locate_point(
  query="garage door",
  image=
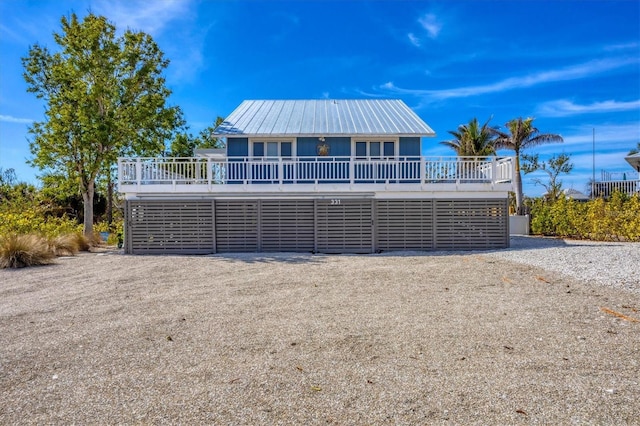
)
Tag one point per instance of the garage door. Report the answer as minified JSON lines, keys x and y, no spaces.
{"x":471,"y":224}
{"x":286,"y":225}
{"x":404,"y":225}
{"x":344,"y":226}
{"x":163,"y":227}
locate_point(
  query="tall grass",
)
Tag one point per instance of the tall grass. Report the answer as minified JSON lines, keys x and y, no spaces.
{"x":18,"y":251}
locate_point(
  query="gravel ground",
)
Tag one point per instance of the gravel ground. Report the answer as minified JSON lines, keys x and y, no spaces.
{"x":501,"y":337}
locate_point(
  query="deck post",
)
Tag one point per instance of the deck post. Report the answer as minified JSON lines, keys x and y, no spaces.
{"x":352,"y":170}
{"x":494,"y":170}
{"x":423,"y":170}
{"x":138,"y":172}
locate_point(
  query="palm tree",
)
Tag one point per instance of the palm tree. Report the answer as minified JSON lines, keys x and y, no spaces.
{"x":521,"y":135}
{"x":472,"y":140}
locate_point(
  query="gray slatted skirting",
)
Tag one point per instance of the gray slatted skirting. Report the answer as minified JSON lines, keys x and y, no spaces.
{"x":236,"y":226}
{"x":404,"y":225}
{"x":286,"y":225}
{"x":306,"y":225}
{"x":471,"y":224}
{"x":164,"y":227}
{"x":344,"y":226}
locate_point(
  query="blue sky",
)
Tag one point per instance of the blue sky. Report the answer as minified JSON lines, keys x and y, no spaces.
{"x":573,"y":65}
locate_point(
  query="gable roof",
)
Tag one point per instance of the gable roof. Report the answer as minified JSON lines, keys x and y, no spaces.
{"x":324,"y":117}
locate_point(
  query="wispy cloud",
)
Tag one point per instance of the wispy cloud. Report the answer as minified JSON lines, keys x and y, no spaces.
{"x":574,"y":72}
{"x":414,"y":40}
{"x":431,"y":25}
{"x":143,"y":15}
{"x":10,"y":119}
{"x":563,"y":107}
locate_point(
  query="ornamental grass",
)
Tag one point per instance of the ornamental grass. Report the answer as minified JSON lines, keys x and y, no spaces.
{"x":18,"y":251}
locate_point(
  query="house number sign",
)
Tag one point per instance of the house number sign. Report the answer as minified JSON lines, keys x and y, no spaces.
{"x":335,"y":201}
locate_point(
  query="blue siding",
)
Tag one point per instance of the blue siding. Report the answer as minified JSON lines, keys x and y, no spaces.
{"x":338,"y":146}
{"x":410,"y":147}
{"x":237,"y":147}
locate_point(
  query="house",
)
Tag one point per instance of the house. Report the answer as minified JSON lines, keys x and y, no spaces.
{"x":627,"y":182}
{"x":329,"y":176}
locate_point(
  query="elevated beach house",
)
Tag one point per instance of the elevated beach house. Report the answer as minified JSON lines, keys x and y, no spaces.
{"x":328,"y":176}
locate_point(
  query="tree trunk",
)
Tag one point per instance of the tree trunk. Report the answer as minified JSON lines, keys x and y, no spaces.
{"x":109,"y":198}
{"x":87,"y":198}
{"x":517,"y":179}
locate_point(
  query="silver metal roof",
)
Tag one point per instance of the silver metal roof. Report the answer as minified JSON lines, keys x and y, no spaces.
{"x":324,"y":117}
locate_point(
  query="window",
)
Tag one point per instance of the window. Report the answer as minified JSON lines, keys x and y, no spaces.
{"x":375,"y":149}
{"x":271,"y":149}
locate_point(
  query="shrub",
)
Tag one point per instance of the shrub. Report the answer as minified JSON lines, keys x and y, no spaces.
{"x":82,"y":242}
{"x":64,"y":245}
{"x":615,"y":219}
{"x":17,"y":251}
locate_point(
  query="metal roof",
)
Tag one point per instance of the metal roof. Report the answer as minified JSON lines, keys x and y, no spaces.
{"x":324,"y":117}
{"x":634,"y":160}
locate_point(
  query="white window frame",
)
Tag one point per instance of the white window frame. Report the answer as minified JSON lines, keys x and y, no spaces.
{"x":396,"y":146}
{"x":279,"y":141}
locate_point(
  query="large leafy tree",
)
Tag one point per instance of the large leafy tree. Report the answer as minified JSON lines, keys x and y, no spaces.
{"x":522,"y":134}
{"x":105,"y":97}
{"x":472,"y":139}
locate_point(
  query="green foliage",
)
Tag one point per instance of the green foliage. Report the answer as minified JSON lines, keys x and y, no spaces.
{"x":184,"y":144}
{"x":472,"y":140}
{"x":105,"y":97}
{"x":521,"y":134}
{"x":616,"y":219}
{"x":25,"y":210}
{"x":553,"y":167}
{"x":18,"y":251}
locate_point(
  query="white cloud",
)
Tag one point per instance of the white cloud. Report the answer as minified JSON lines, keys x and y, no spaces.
{"x":431,"y":25}
{"x":563,"y":107}
{"x":143,"y":15}
{"x":414,"y":40}
{"x":10,"y":119}
{"x":574,"y":72}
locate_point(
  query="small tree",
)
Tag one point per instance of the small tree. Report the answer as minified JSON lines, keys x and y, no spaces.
{"x":105,"y":97}
{"x":553,"y":167}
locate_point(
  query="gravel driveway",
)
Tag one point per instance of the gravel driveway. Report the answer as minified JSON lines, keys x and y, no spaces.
{"x":411,"y":338}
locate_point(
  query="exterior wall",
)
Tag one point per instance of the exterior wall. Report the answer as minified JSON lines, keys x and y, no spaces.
{"x":339,"y":146}
{"x":351,"y":224}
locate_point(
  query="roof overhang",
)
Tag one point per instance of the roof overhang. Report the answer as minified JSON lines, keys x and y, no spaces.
{"x":634,"y":161}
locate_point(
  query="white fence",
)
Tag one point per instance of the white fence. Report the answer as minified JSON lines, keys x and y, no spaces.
{"x":316,"y":170}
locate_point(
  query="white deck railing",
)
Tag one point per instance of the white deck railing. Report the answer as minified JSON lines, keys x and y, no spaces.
{"x":315,"y":170}
{"x":607,"y":188}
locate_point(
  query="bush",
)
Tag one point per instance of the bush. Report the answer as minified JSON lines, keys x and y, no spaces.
{"x":606,"y":220}
{"x":65,"y":245}
{"x":17,"y":251}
